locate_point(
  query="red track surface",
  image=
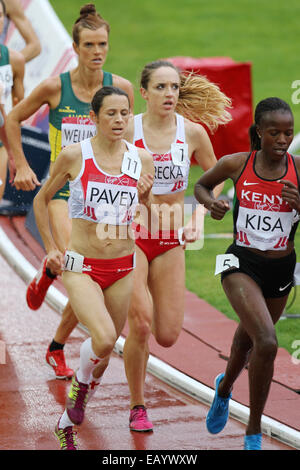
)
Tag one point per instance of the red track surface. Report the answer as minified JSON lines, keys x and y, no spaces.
{"x":31,"y":400}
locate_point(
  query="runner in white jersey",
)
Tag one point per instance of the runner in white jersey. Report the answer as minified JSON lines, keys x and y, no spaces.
{"x":157,"y":303}
{"x":68,"y":96}
{"x":97,"y":266}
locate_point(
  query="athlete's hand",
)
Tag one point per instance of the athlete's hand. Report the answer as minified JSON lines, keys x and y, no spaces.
{"x":26,"y":179}
{"x":290,"y":194}
{"x":144,"y":186}
{"x":55,"y":262}
{"x":218,"y":209}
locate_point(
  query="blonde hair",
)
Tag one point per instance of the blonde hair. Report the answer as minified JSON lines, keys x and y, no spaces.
{"x":199,"y":99}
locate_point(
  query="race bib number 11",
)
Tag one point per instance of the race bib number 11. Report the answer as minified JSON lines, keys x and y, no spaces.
{"x":73,"y":262}
{"x":131,"y":165}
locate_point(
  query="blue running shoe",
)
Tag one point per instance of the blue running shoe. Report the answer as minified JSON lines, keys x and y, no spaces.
{"x":218,"y":414}
{"x":252,"y":442}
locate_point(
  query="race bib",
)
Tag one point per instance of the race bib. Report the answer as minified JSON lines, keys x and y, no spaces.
{"x":131,"y":165}
{"x":75,"y":129}
{"x":179,"y":154}
{"x":227,"y":261}
{"x":73,"y":261}
{"x":6,"y":77}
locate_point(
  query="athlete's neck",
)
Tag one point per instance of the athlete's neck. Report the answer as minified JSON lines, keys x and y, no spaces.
{"x":159,"y":122}
{"x":86,"y":79}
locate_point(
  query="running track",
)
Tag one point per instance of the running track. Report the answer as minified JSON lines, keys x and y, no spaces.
{"x":32,"y":400}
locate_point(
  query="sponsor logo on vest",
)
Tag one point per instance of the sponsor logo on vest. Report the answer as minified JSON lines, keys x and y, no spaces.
{"x":67,"y":109}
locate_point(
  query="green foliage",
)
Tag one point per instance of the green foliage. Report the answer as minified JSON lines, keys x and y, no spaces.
{"x":262,"y":32}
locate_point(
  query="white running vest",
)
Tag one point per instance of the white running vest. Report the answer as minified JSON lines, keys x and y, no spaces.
{"x":102,"y":198}
{"x":171,"y":168}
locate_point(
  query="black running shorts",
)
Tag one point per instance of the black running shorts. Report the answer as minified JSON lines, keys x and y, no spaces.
{"x":275,"y":276}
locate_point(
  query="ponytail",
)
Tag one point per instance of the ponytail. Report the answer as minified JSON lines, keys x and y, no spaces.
{"x":255,"y":143}
{"x":202,"y":101}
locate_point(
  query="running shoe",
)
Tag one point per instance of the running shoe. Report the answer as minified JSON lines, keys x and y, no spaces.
{"x":66,"y":438}
{"x":252,"y":442}
{"x":56,"y":360}
{"x":138,"y":420}
{"x":37,"y":289}
{"x":77,"y":400}
{"x":218,"y":414}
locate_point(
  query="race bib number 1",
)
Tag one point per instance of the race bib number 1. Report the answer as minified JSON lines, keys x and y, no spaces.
{"x":131,"y":165}
{"x":179,"y":154}
{"x":227,"y":261}
{"x":73,"y":262}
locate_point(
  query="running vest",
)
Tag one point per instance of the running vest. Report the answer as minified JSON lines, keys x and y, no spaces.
{"x":6,"y":77}
{"x":102,"y":198}
{"x":172,"y":168}
{"x":261,"y":218}
{"x":70,"y":122}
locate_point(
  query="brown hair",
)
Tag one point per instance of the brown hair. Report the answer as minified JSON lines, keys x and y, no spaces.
{"x":90,"y":19}
{"x":199,"y":99}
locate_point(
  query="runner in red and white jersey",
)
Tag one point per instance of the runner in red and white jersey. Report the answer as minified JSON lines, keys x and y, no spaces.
{"x":168,"y":133}
{"x":97,"y":267}
{"x":68,"y":96}
{"x":257,"y":271}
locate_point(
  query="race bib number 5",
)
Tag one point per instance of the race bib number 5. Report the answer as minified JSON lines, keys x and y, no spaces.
{"x":224,"y":262}
{"x":73,"y":262}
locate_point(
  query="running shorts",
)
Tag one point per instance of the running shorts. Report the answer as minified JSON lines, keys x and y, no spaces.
{"x":104,"y":272}
{"x":275,"y":276}
{"x":155,"y":244}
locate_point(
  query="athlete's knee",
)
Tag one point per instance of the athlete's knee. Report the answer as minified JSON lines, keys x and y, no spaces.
{"x":140,"y":324}
{"x":104,"y":342}
{"x":266,"y":345}
{"x":167,"y":337}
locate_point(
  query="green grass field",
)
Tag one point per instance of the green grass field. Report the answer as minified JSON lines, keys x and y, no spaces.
{"x":262,"y":32}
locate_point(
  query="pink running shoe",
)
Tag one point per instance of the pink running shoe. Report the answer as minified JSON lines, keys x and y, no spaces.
{"x":77,"y":400}
{"x":66,"y":438}
{"x":37,"y":289}
{"x":138,"y":420}
{"x":56,"y":360}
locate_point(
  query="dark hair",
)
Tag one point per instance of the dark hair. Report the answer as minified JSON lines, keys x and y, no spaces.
{"x":4,"y":6}
{"x":90,"y":19}
{"x":265,"y":106}
{"x":99,"y":96}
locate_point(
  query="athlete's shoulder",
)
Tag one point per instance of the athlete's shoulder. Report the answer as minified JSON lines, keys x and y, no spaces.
{"x":233,"y":162}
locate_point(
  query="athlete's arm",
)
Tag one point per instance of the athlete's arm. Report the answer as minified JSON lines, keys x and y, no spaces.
{"x":227,"y":167}
{"x":18,"y":67}
{"x":15,"y":12}
{"x":205,"y":157}
{"x":290,"y":192}
{"x":48,"y":92}
{"x":203,"y":151}
{"x":61,"y":172}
